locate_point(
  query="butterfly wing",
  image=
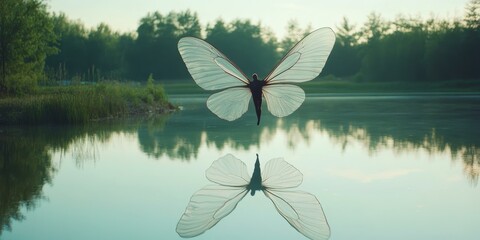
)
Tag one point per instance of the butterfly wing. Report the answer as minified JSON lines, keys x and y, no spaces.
{"x":283,"y":99}
{"x":302,"y":210}
{"x":230,"y":104}
{"x":279,"y":174}
{"x":305,"y":60}
{"x":212,"y":203}
{"x":207,"y":207}
{"x":210,"y":68}
{"x":228,"y":171}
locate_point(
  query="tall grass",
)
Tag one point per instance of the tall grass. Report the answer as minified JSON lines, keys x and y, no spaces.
{"x":80,"y":104}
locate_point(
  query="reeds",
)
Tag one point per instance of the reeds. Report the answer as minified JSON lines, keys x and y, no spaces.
{"x":83,"y":103}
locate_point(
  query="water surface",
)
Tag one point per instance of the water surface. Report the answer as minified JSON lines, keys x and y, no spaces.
{"x":383,"y":167}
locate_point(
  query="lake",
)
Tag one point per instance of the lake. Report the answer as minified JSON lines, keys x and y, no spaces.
{"x":382,"y":167}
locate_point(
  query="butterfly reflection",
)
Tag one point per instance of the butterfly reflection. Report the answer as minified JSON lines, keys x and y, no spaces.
{"x":214,"y":202}
{"x":212,"y":70}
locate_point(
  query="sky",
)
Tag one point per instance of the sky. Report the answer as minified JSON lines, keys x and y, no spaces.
{"x":124,"y":15}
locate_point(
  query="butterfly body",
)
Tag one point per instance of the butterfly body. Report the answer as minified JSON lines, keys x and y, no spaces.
{"x":256,"y":87}
{"x":256,"y":180}
{"x":212,"y":70}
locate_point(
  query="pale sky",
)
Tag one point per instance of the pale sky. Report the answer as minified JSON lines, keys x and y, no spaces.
{"x":124,"y":15}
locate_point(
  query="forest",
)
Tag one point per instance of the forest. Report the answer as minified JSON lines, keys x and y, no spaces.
{"x":38,"y":47}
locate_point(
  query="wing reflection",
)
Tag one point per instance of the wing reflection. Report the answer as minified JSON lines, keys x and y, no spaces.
{"x":214,"y":202}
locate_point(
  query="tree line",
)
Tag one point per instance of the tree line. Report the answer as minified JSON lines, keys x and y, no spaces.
{"x":38,"y":46}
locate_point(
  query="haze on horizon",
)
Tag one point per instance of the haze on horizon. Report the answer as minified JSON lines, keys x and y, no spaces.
{"x":124,"y":15}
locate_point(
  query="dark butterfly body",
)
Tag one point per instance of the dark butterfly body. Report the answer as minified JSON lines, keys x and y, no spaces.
{"x":256,"y":180}
{"x":256,"y":89}
{"x":212,"y":70}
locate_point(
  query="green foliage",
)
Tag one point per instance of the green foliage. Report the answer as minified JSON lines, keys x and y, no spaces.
{"x":21,"y":83}
{"x":398,"y":56}
{"x":294,"y":34}
{"x":472,"y":15}
{"x":26,"y":37}
{"x":83,"y":103}
{"x":154,"y":92}
{"x":155,"y":48}
{"x":93,"y":55}
{"x":248,"y":45}
{"x":344,"y":60}
{"x":408,"y":50}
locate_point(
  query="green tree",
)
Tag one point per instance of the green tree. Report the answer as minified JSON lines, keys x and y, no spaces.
{"x":249,"y":45}
{"x":71,"y":59}
{"x":373,"y":64}
{"x":470,"y":45}
{"x":346,"y":33}
{"x":375,"y":28}
{"x":104,"y":57}
{"x":294,"y":35}
{"x":155,"y":49}
{"x":344,"y":61}
{"x":89,"y":55}
{"x":26,"y":37}
{"x":472,"y":15}
{"x":452,"y":52}
{"x":402,"y":54}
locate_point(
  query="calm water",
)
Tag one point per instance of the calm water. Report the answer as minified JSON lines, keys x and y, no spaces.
{"x":395,"y":167}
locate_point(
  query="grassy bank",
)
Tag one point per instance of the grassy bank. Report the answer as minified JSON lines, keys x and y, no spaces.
{"x":83,"y":103}
{"x":336,"y":85}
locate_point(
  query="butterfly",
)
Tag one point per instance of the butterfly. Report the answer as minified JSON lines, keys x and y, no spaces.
{"x":212,"y":70}
{"x":214,"y":202}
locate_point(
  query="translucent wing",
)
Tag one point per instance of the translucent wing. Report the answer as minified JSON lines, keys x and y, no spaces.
{"x":279,"y":174}
{"x":231,"y":103}
{"x":302,"y":210}
{"x":283,"y":99}
{"x":306,"y":59}
{"x":207,"y":207}
{"x":210,"y":69}
{"x":228,"y":171}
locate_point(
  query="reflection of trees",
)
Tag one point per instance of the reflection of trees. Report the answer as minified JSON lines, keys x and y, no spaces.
{"x":186,"y":131}
{"x":440,"y":124}
{"x":183,"y":134}
{"x":436,"y":124}
{"x":175,"y":139}
{"x":26,"y":164}
{"x":24,"y":168}
{"x":471,"y":158}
